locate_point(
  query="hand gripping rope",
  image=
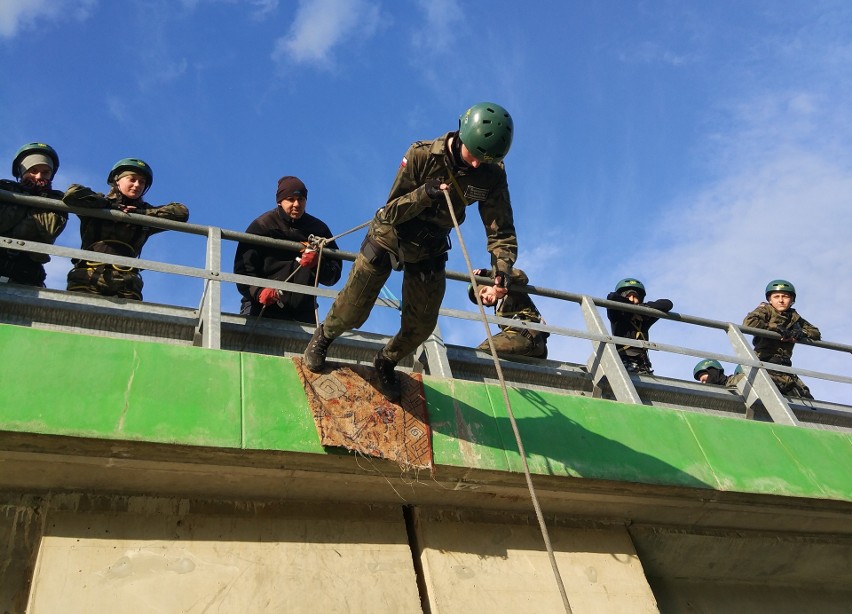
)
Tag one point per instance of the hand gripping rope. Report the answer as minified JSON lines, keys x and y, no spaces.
{"x":509,"y":411}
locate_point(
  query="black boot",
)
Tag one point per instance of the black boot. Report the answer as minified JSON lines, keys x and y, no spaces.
{"x":388,"y":382}
{"x":315,"y":352}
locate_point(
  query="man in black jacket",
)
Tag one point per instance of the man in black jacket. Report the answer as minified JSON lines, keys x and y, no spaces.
{"x":289,"y":222}
{"x":633,"y":325}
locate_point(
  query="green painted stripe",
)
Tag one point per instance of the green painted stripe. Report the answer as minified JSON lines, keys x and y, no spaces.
{"x":81,"y":385}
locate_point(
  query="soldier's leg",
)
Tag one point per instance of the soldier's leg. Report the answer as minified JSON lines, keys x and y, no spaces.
{"x":350,"y":309}
{"x":352,"y":306}
{"x":422,"y":293}
{"x":509,"y":343}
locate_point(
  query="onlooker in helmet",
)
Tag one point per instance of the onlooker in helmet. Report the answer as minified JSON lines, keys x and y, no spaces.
{"x":633,"y":325}
{"x":411,"y":232}
{"x":711,"y":372}
{"x":777,"y":314}
{"x":34,"y":167}
{"x":288,"y":221}
{"x":129,"y":180}
{"x":512,"y":341}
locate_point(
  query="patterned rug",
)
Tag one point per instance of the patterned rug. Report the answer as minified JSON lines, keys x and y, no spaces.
{"x":349,"y":411}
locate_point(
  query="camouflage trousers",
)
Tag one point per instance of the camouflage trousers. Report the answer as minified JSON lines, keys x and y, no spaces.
{"x":422,"y":293}
{"x":790,"y":385}
{"x":512,"y":342}
{"x":106,"y":280}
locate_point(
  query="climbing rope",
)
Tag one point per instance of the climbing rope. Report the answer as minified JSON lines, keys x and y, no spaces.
{"x":544,"y":533}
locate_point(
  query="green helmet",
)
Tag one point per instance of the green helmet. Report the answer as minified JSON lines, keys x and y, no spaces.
{"x":704,"y":365}
{"x":780,"y":285}
{"x":486,"y":130}
{"x":34,"y":148}
{"x":631,"y":283}
{"x":738,"y":370}
{"x":135,"y":165}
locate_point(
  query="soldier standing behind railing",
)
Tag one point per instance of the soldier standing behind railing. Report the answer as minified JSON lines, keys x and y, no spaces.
{"x":130,"y":179}
{"x":34,"y":167}
{"x":777,"y":314}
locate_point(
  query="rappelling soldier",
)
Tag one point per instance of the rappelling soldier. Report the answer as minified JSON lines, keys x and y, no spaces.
{"x":512,"y":341}
{"x":34,"y":167}
{"x":411,"y":233}
{"x":634,"y":325}
{"x":777,"y":314}
{"x":130,"y":179}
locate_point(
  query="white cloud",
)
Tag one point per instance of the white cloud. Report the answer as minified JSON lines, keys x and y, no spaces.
{"x":18,"y":15}
{"x":322,"y":25}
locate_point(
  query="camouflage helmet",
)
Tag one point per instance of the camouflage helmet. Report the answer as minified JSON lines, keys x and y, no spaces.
{"x":135,"y":165}
{"x":703,"y":365}
{"x":631,"y":283}
{"x":34,"y":148}
{"x":780,"y":285}
{"x":486,"y":130}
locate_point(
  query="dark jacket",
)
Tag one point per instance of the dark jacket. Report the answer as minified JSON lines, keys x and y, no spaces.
{"x":633,"y":325}
{"x":279,"y":264}
{"x":29,"y":224}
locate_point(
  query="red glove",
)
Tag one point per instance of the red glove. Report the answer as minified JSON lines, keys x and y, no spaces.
{"x":268,"y":296}
{"x":308,"y":259}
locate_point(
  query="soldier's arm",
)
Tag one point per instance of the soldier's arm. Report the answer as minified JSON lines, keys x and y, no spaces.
{"x":172,"y":211}
{"x":80,"y":196}
{"x":662,"y":304}
{"x":43,"y":226}
{"x":499,"y":223}
{"x":809,"y":329}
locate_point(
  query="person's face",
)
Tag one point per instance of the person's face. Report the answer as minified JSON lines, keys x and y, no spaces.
{"x":38,"y":175}
{"x":781,"y":301}
{"x":294,"y":206}
{"x":488,"y":295}
{"x":702,"y":377}
{"x":469,"y":159}
{"x":132,"y":185}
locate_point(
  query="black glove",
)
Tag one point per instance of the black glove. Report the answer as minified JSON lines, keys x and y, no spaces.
{"x":433,"y":189}
{"x":501,"y":280}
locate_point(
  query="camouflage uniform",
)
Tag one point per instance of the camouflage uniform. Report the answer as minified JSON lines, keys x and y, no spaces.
{"x":718,"y":377}
{"x":412,"y":232}
{"x":29,"y":224}
{"x":780,"y":352}
{"x":116,"y":238}
{"x":516,"y":341}
{"x":634,"y":326}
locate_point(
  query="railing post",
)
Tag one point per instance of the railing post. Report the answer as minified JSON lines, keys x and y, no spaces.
{"x":208,"y":330}
{"x":436,"y":354}
{"x":757,"y":385}
{"x":605,"y":361}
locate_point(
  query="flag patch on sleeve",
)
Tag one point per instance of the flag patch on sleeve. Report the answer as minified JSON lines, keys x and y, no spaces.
{"x":404,"y":162}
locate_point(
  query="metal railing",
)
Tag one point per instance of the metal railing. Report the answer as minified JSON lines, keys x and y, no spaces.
{"x":604,"y":367}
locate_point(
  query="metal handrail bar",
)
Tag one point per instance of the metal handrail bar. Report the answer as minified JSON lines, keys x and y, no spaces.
{"x":220,"y":276}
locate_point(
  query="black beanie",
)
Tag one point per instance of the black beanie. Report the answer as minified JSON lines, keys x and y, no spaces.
{"x":288,"y":187}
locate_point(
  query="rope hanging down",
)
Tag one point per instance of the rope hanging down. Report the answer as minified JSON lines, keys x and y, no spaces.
{"x":545,"y":535}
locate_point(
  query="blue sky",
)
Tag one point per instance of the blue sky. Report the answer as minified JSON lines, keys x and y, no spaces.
{"x":703,"y":147}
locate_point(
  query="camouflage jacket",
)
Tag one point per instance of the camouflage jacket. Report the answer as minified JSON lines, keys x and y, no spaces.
{"x":517,"y":305}
{"x":767,"y":317}
{"x":415,"y":228}
{"x":110,"y":237}
{"x":30,"y":223}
